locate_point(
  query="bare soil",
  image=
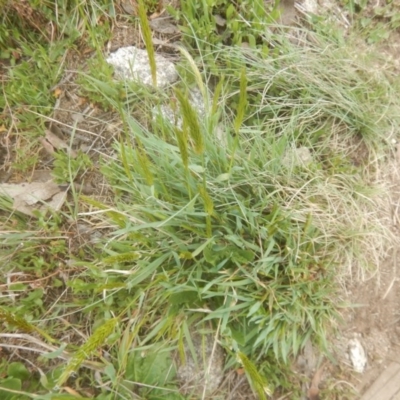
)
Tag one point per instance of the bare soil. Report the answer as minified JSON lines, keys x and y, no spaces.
{"x":374,"y":315}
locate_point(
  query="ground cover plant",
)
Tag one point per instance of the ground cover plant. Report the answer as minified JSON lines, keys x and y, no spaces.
{"x":234,"y":222}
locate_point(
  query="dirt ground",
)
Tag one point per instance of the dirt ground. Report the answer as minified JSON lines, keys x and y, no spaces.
{"x":371,"y":315}
{"x":374,"y":318}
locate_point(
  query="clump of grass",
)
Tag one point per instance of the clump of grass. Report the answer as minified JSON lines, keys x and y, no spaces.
{"x":263,"y":258}
{"x":250,"y":237}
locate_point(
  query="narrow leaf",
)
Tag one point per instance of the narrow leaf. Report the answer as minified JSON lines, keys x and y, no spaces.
{"x":144,"y":163}
{"x":124,"y":257}
{"x":208,"y":203}
{"x":144,"y":23}
{"x":181,"y":138}
{"x":191,"y":120}
{"x":242,"y":101}
{"x":256,"y":380}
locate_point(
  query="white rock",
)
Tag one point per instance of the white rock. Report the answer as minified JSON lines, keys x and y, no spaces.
{"x":195,"y":99}
{"x":296,"y":157}
{"x":357,"y":355}
{"x":197,"y":102}
{"x":310,"y":6}
{"x":201,"y":375}
{"x":133,"y":64}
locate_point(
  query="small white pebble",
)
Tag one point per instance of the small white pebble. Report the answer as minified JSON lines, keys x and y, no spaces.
{"x":357,"y":355}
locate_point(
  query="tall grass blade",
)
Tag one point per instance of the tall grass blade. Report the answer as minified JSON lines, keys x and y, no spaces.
{"x":144,"y":23}
{"x":117,"y":217}
{"x":190,"y":118}
{"x":144,"y":164}
{"x":209,"y":208}
{"x":208,"y":203}
{"x":181,"y":138}
{"x":217,"y":93}
{"x":197,"y":74}
{"x":242,"y":102}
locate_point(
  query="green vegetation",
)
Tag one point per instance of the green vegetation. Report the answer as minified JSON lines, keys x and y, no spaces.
{"x":215,"y":220}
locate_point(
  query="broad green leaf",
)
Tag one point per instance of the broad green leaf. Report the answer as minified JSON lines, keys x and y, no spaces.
{"x":242,"y":256}
{"x":13,"y":384}
{"x":18,"y":370}
{"x":254,"y":308}
{"x":151,"y":368}
{"x":109,"y":370}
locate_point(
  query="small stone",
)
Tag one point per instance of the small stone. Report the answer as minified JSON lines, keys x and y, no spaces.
{"x":131,"y":63}
{"x":357,"y":355}
{"x":219,"y":20}
{"x":77,"y":117}
{"x":203,"y":375}
{"x":164,"y":26}
{"x":310,"y":6}
{"x":297,"y":157}
{"x":196,"y":101}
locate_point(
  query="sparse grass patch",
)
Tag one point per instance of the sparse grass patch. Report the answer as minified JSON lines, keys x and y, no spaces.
{"x":375,"y":23}
{"x":35,"y":38}
{"x":210,"y":23}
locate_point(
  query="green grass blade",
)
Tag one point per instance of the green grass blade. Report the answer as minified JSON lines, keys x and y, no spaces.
{"x":144,"y":23}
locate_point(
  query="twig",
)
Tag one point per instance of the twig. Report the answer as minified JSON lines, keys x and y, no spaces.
{"x":313,"y":391}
